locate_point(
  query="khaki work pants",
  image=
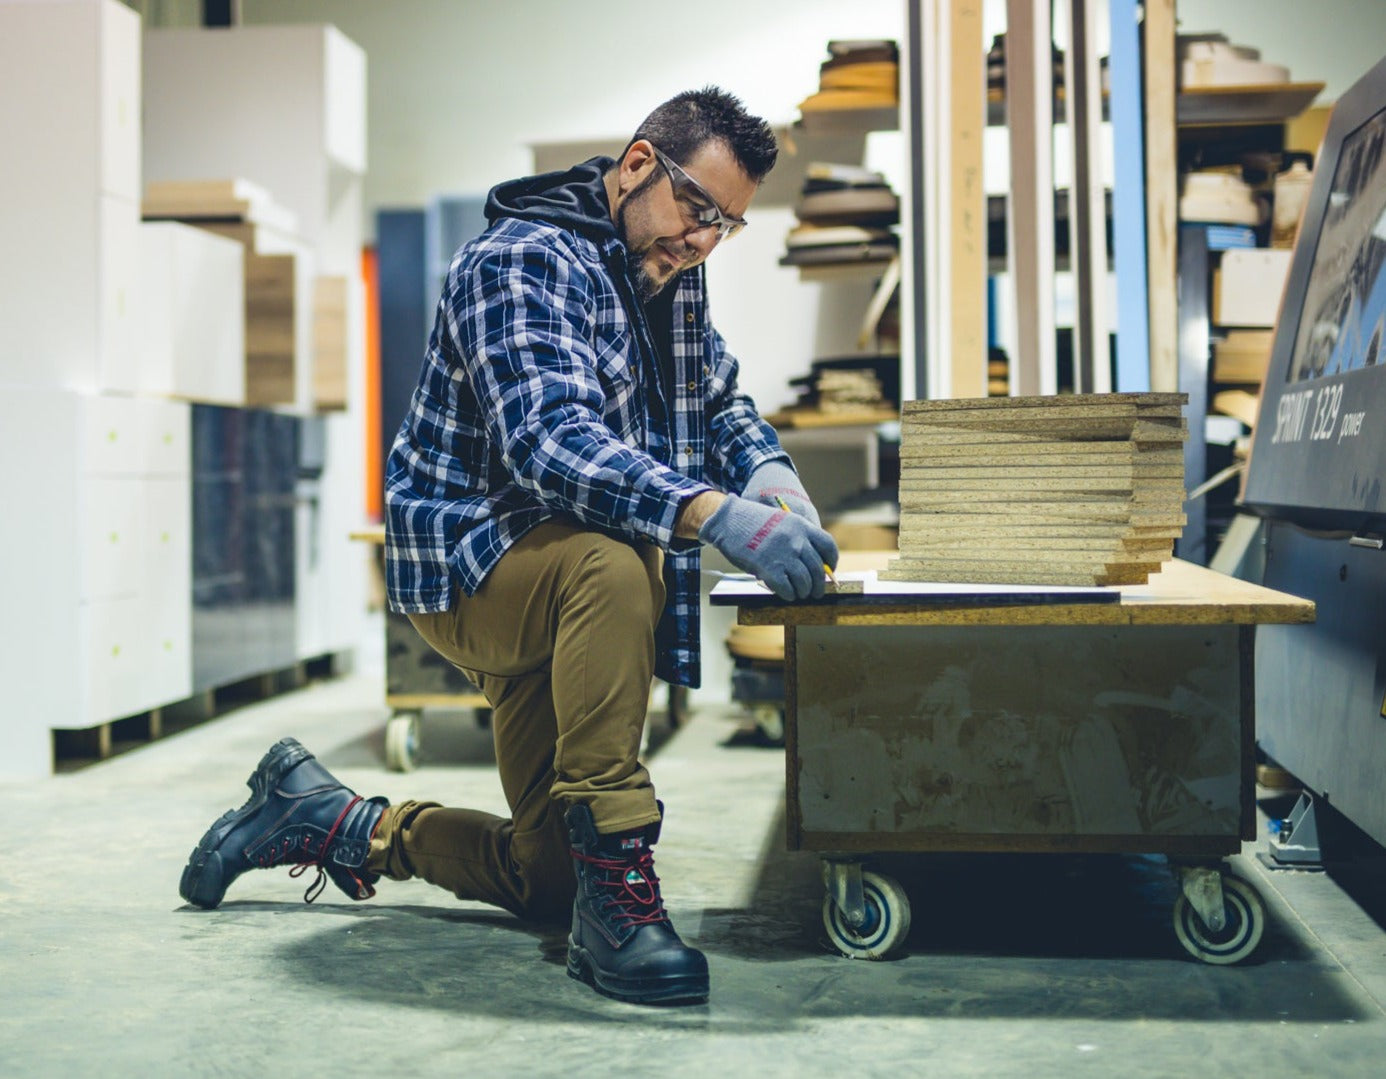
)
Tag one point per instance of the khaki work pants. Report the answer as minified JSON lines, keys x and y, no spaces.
{"x":560,"y":639}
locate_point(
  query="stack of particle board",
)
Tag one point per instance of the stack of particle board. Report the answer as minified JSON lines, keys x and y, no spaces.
{"x":1074,"y":490}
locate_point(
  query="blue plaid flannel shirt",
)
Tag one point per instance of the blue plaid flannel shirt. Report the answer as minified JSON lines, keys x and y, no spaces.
{"x":539,"y":398}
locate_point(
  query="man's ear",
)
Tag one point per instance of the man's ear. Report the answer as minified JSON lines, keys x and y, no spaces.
{"x":635,"y":165}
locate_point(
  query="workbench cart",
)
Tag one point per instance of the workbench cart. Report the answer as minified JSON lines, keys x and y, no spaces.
{"x":1050,"y":721}
{"x":416,"y":678}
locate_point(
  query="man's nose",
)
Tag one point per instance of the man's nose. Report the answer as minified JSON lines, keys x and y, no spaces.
{"x":702,"y":239}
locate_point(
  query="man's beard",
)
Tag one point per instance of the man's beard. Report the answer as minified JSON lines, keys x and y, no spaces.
{"x":646,"y":286}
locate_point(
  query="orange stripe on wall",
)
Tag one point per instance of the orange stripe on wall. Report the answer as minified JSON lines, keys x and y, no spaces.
{"x":375,"y":467}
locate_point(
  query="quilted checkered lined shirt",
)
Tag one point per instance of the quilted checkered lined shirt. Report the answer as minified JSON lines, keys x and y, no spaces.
{"x":539,"y":398}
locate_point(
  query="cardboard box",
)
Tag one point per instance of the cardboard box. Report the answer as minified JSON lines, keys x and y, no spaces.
{"x":1247,"y":286}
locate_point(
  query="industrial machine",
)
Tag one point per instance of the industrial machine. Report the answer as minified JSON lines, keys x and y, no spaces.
{"x":1315,"y":479}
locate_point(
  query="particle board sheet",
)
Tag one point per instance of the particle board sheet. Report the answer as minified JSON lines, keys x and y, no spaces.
{"x":331,"y":334}
{"x":1084,"y":489}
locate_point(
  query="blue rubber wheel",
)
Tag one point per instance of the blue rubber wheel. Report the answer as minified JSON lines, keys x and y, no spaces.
{"x":885,"y":927}
{"x":1237,"y":939}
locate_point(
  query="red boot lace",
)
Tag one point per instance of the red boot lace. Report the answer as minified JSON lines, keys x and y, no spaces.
{"x":282,"y":853}
{"x":635,"y":888}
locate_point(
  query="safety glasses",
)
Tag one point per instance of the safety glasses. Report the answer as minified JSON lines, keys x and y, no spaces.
{"x":702,"y":206}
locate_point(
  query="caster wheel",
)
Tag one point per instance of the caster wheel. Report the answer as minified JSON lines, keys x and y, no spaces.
{"x":1246,"y":920}
{"x":770,"y":723}
{"x":887,"y":919}
{"x":401,"y":742}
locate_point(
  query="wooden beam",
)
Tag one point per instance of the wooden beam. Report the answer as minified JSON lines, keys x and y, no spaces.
{"x":967,"y":253}
{"x":1029,"y":116}
{"x":1087,"y":199}
{"x":1162,"y":194}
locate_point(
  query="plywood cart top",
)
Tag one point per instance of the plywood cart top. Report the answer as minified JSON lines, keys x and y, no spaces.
{"x":1180,"y":594}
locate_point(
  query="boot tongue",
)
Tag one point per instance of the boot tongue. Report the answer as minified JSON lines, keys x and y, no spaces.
{"x":627,"y":845}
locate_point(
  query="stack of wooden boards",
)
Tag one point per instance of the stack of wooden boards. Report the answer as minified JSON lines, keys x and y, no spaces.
{"x":1084,"y":489}
{"x":858,"y":88}
{"x":846,"y":214}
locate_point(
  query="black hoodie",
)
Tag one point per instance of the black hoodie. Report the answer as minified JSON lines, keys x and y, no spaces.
{"x":573,"y":199}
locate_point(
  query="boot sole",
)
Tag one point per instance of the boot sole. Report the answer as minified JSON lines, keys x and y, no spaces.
{"x":678,"y":989}
{"x":204,"y":881}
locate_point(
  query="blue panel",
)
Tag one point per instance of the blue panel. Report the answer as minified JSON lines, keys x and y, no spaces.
{"x":452,"y":221}
{"x":405,"y":314}
{"x":1128,"y":201}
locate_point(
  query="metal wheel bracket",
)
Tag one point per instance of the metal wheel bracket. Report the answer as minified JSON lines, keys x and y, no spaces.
{"x":842,"y":878}
{"x":1202,"y":887}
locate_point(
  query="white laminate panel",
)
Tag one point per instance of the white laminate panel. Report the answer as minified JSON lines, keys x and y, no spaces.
{"x":344,"y":101}
{"x":208,"y":361}
{"x":165,"y":535}
{"x":117,"y":365}
{"x":38,"y":575}
{"x":155,"y":296}
{"x":109,"y":435}
{"x":114,"y":647}
{"x":119,"y":99}
{"x":110,"y":532}
{"x":167,"y":646}
{"x":163,"y":434}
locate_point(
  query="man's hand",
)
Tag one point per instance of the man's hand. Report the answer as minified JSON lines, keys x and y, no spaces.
{"x":783,"y":549}
{"x":773,"y":483}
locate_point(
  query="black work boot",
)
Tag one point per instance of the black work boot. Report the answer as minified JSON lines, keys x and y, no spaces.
{"x":623,"y":944}
{"x":298,"y":815}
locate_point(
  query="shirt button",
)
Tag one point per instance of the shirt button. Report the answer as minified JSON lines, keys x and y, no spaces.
{"x":692,"y":387}
{"x":688,"y":451}
{"x":688,"y":317}
{"x":707,"y":370}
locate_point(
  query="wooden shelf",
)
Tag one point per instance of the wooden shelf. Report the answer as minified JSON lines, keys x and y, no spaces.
{"x":1224,"y":106}
{"x":849,"y":121}
{"x":801,"y":419}
{"x":839,"y":271}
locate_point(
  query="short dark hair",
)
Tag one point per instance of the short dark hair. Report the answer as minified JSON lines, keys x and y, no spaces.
{"x":681,"y":126}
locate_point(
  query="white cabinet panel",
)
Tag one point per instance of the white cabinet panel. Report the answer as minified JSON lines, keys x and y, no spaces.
{"x":165,"y":535}
{"x":134,"y":436}
{"x":119,"y":97}
{"x":109,"y":435}
{"x":70,"y":129}
{"x":119,"y":268}
{"x":283,"y":106}
{"x":157,"y":306}
{"x":113,"y":645}
{"x":109,"y":536}
{"x":192,"y":314}
{"x":344,"y":101}
{"x":164,"y":432}
{"x":38,"y":575}
{"x":209,"y":319}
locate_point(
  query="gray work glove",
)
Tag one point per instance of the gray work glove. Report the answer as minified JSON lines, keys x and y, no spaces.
{"x":782,"y":549}
{"x":776,"y":480}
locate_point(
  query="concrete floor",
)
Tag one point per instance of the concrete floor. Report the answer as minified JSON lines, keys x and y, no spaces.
{"x":1028,"y":966}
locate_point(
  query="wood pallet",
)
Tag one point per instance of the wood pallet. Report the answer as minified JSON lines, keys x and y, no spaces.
{"x":81,"y":746}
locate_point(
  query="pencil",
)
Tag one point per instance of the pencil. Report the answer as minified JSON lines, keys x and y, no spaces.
{"x":785,"y":506}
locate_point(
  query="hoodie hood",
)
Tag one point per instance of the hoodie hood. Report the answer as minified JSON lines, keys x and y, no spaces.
{"x":573,"y":199}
